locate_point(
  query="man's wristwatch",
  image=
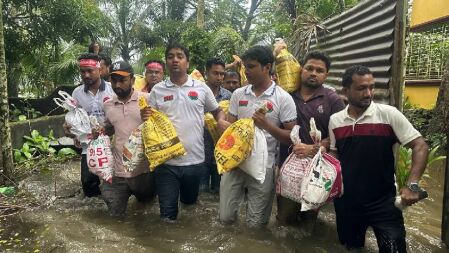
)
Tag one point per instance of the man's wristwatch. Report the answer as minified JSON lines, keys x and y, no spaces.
{"x":414,"y":187}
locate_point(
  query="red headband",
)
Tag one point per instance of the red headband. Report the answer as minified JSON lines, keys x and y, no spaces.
{"x":89,"y":63}
{"x":155,"y":65}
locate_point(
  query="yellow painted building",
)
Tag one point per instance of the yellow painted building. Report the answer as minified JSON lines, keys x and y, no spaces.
{"x":426,"y":14}
{"x":422,"y":93}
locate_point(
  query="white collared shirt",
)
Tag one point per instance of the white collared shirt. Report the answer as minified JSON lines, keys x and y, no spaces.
{"x":244,"y":103}
{"x":374,"y":115}
{"x":93,"y":103}
{"x":185,"y":106}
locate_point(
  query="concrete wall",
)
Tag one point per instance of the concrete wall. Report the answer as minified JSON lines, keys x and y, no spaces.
{"x":42,"y":124}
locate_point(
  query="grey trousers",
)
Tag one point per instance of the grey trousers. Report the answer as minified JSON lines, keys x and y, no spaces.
{"x":234,"y":185}
{"x":117,"y":193}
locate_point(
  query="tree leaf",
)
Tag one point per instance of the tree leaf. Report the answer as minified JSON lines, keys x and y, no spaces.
{"x":66,"y":152}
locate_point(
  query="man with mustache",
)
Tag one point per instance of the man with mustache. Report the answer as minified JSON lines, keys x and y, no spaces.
{"x":362,"y":137}
{"x":122,"y":117}
{"x":90,"y":96}
{"x":312,"y":100}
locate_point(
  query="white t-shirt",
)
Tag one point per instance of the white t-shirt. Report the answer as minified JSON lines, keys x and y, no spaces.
{"x":282,"y":109}
{"x":185,"y":107}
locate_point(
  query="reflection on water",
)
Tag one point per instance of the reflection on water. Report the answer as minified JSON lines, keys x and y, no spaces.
{"x":75,"y":225}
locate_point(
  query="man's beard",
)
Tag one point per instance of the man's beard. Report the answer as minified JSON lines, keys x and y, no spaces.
{"x":89,"y":82}
{"x":121,"y":93}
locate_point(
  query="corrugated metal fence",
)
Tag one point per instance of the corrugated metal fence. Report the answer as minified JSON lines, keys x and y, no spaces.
{"x":367,"y":34}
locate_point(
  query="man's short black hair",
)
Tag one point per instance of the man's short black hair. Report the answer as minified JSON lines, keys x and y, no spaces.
{"x":107,"y":60}
{"x":176,"y":45}
{"x":91,"y":56}
{"x":354,"y":70}
{"x":232,"y":73}
{"x":214,"y":61}
{"x":317,"y":55}
{"x":261,"y":54}
{"x":155,"y":61}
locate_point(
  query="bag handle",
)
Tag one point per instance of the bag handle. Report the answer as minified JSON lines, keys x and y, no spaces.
{"x":59,"y":102}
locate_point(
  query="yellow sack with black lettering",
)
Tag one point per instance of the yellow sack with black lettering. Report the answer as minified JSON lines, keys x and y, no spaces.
{"x":235,"y":145}
{"x":287,"y":71}
{"x":159,"y":136}
{"x":211,"y":123}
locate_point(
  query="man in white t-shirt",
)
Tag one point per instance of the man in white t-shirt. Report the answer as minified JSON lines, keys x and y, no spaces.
{"x":362,"y":138}
{"x":184,"y":101}
{"x":90,"y":96}
{"x":281,"y":110}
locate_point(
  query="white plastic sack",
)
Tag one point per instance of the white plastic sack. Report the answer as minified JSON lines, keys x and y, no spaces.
{"x":133,"y":150}
{"x":77,"y":117}
{"x":292,"y":172}
{"x":256,"y":163}
{"x":99,"y":158}
{"x":318,"y":182}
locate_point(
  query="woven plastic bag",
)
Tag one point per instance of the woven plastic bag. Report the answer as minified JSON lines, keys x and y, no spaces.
{"x":160,"y":139}
{"x":100,"y":159}
{"x":287,"y":71}
{"x":241,"y":70}
{"x":211,"y":124}
{"x":235,"y":145}
{"x":292,"y":172}
{"x":323,"y":180}
{"x":133,"y":150}
{"x":77,"y":117}
{"x":196,"y":75}
{"x":255,"y":164}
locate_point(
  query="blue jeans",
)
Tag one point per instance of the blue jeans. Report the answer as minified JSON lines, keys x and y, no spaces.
{"x":173,"y":182}
{"x":210,"y":174}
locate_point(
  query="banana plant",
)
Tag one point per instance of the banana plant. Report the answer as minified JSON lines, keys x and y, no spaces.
{"x":404,"y":163}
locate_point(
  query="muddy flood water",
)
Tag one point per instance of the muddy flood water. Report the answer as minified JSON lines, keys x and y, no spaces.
{"x":68,"y":223}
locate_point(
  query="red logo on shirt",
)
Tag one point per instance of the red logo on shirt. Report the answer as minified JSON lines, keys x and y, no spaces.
{"x":243,"y":103}
{"x":168,"y":98}
{"x":269,"y":106}
{"x":193,"y":95}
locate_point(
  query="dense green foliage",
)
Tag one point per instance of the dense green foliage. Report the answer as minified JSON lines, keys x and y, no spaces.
{"x":44,"y":38}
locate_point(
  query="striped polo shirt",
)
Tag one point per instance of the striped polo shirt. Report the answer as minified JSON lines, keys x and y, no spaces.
{"x":281,"y":109}
{"x":185,"y":106}
{"x":365,"y":150}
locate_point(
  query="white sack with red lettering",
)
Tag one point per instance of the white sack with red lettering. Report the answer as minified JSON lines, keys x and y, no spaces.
{"x":99,"y":158}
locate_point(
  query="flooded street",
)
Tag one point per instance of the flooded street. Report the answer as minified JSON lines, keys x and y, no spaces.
{"x":71,"y":224}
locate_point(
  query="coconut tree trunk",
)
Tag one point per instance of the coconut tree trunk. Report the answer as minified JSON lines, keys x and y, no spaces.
{"x":200,"y":14}
{"x":6,"y":163}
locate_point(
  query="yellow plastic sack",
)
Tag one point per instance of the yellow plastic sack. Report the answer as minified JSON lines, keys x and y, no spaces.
{"x":211,"y":123}
{"x":241,"y":70}
{"x":139,"y":82}
{"x":235,"y":145}
{"x":196,"y":75}
{"x":159,"y":138}
{"x":287,"y":70}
